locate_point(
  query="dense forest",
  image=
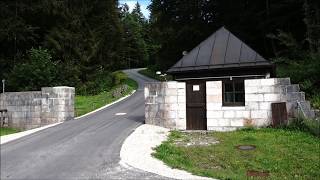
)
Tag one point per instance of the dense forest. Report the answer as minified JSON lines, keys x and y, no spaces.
{"x":69,"y":42}
{"x":81,"y":42}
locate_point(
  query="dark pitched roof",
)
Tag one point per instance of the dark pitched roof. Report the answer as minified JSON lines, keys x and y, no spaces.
{"x":221,"y":50}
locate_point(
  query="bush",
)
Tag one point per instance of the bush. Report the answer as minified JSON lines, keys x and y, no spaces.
{"x":304,"y":124}
{"x":118,"y":77}
{"x":315,"y":101}
{"x":304,"y":71}
{"x":100,"y":82}
{"x":38,"y":71}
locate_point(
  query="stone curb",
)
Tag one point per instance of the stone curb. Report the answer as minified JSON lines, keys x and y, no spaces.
{"x":10,"y":137}
{"x":137,"y":149}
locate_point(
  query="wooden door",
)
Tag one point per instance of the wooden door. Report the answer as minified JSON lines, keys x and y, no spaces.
{"x":279,"y":114}
{"x":196,"y":105}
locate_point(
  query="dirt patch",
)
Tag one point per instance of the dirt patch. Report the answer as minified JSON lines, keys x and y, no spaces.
{"x":195,"y":139}
{"x":253,"y":173}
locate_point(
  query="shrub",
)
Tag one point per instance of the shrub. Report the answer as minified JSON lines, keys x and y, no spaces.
{"x":304,"y":71}
{"x":38,"y":71}
{"x":118,"y":77}
{"x":102,"y":81}
{"x":315,"y":101}
{"x":304,"y":124}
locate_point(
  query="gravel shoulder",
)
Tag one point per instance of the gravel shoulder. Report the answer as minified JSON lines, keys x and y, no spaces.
{"x":137,"y":149}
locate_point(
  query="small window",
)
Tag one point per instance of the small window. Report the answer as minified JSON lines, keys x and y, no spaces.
{"x":233,"y":93}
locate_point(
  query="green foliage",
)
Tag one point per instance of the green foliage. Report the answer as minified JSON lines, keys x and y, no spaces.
{"x":96,"y":84}
{"x":118,"y":77}
{"x":135,"y":46}
{"x":180,"y":25}
{"x":84,"y":40}
{"x":315,"y":101}
{"x":152,"y":74}
{"x":88,"y":103}
{"x":304,"y":71}
{"x":89,"y":39}
{"x":285,"y":154}
{"x":301,"y":123}
{"x":38,"y":71}
{"x":131,"y":83}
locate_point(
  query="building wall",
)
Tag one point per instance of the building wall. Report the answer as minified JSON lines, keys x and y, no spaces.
{"x":33,"y":109}
{"x":259,"y":94}
{"x":166,"y":104}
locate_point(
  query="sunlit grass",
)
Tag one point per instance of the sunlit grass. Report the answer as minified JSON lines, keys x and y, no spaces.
{"x":284,"y":154}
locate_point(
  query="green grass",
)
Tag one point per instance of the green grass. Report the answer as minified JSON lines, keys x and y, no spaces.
{"x":7,"y":130}
{"x":85,"y":104}
{"x":152,"y":74}
{"x":131,"y":83}
{"x":284,"y":154}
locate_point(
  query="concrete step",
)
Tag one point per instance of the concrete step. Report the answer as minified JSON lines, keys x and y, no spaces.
{"x":306,"y":108}
{"x":283,"y":81}
{"x":296,"y":96}
{"x":310,"y":114}
{"x":305,"y":105}
{"x":292,"y":88}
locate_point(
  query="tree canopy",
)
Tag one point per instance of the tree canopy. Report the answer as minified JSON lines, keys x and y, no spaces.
{"x":84,"y":41}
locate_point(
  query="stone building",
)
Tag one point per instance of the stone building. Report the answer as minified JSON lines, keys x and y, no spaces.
{"x":222,"y":84}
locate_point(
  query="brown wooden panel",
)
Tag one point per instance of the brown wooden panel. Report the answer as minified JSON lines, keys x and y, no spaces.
{"x":279,"y":114}
{"x":196,"y":105}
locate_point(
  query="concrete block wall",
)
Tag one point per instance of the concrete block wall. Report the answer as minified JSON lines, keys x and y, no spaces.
{"x":259,"y":94}
{"x":57,"y":104}
{"x":33,"y":109}
{"x":165,"y":104}
{"x":24,"y":108}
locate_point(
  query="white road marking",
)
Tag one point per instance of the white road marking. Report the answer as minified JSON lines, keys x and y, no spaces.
{"x":120,"y":114}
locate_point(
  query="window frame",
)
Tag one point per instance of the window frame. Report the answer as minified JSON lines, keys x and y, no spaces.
{"x":237,"y":104}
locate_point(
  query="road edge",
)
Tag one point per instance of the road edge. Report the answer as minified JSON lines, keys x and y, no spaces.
{"x":10,"y":137}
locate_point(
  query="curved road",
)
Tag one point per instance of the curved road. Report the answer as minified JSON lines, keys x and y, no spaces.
{"x":86,"y":148}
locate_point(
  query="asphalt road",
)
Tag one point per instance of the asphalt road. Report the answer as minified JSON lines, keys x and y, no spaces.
{"x":86,"y":148}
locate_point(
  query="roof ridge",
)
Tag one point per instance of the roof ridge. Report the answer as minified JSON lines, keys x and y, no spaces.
{"x":225,"y":53}
{"x":195,"y":62}
{"x":213,"y":44}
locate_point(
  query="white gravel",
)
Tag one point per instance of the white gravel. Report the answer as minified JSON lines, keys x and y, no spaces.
{"x":137,"y":149}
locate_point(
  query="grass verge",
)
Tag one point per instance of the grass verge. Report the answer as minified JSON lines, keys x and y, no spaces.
{"x":152,"y":74}
{"x":7,"y":130}
{"x":284,"y":154}
{"x":85,"y":104}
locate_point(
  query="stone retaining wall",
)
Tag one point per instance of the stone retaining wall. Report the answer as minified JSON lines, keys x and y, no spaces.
{"x":33,"y":109}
